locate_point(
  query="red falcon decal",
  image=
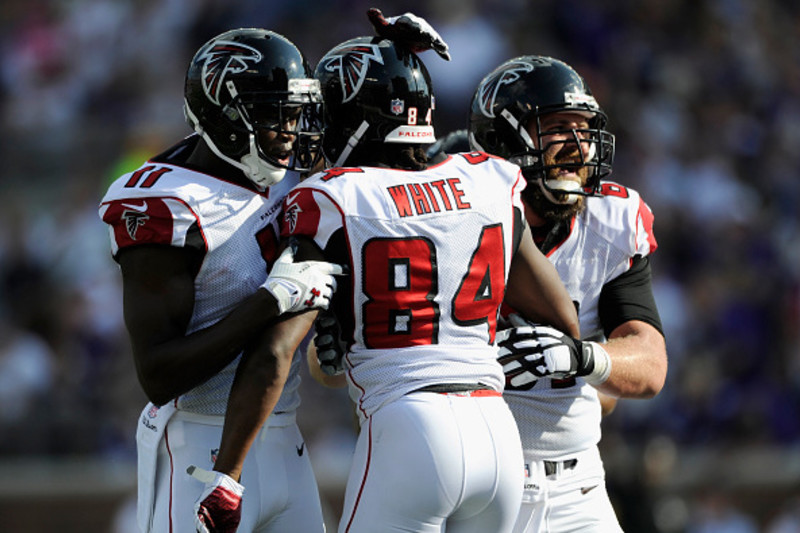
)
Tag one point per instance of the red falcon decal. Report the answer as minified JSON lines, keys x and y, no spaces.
{"x":300,"y":214}
{"x":352,"y":63}
{"x":292,"y":213}
{"x":140,"y":221}
{"x":507,"y":74}
{"x":221,"y":58}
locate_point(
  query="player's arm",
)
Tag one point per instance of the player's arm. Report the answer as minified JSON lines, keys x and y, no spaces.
{"x":635,"y":343}
{"x":536,"y":291}
{"x":632,"y":364}
{"x":638,"y":361}
{"x":158,"y":292}
{"x":257,"y":386}
{"x":260,"y":377}
{"x":259,"y":381}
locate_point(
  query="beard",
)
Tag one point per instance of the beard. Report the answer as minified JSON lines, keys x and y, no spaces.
{"x":541,"y":205}
{"x":546,"y":209}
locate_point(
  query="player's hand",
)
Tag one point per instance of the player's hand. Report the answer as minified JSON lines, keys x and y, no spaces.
{"x":329,"y":344}
{"x":531,"y":351}
{"x":409,"y":30}
{"x":301,"y":286}
{"x":219,"y":507}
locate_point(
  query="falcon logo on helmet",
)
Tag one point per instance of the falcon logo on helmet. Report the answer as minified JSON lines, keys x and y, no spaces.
{"x":222,"y":58}
{"x":352,"y":64}
{"x":508,"y":74}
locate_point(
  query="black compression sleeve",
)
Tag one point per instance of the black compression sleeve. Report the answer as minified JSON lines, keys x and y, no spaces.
{"x":629,"y":297}
{"x":519,"y":227}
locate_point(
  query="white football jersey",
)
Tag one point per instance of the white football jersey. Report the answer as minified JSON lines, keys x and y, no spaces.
{"x":429,"y":254}
{"x":236,"y":229}
{"x":557,"y":418}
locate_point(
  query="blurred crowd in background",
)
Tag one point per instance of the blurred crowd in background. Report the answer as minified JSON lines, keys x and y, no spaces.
{"x":703,"y":96}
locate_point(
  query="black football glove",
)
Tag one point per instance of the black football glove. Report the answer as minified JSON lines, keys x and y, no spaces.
{"x":329,"y":344}
{"x":409,"y":30}
{"x":532,"y":351}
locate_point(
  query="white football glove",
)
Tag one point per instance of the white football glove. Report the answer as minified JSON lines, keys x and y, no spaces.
{"x":531,"y":351}
{"x":301,"y":286}
{"x":409,"y":30}
{"x":329,"y":344}
{"x":219,"y":507}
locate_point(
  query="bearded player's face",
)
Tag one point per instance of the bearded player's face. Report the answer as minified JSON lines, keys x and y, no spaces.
{"x":561,"y":136}
{"x":561,"y":139}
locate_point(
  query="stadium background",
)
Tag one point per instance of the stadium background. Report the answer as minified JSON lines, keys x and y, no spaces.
{"x":703,"y":95}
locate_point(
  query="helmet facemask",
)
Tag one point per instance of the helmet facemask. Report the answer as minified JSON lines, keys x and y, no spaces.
{"x":542,"y":168}
{"x":291,"y":115}
{"x":294,"y":114}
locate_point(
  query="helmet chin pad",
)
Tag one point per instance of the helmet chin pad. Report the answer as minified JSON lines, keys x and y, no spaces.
{"x":551,"y":187}
{"x":260,"y":172}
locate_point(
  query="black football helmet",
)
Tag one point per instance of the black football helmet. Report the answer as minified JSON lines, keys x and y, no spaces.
{"x":513,"y":98}
{"x":246,"y":80}
{"x":374,"y":92}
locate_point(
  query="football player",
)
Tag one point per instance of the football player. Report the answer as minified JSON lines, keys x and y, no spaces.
{"x":194,"y":232}
{"x":539,"y":113}
{"x":432,"y":251}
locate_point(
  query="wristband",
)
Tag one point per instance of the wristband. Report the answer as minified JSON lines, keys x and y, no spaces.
{"x":602,"y":364}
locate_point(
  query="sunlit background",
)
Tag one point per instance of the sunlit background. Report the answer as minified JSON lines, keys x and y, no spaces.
{"x":703,"y":95}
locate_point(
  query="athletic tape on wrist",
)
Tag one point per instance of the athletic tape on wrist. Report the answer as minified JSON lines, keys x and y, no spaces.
{"x":602,"y":365}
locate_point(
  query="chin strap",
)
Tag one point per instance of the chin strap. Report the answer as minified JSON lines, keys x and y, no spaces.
{"x":261,"y":173}
{"x":352,"y":142}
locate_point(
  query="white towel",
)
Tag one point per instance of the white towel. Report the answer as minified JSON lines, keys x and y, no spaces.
{"x":149,"y":433}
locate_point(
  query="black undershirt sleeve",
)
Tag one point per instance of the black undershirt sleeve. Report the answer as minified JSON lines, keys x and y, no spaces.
{"x":337,"y":251}
{"x":629,"y":297}
{"x":519,"y":227}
